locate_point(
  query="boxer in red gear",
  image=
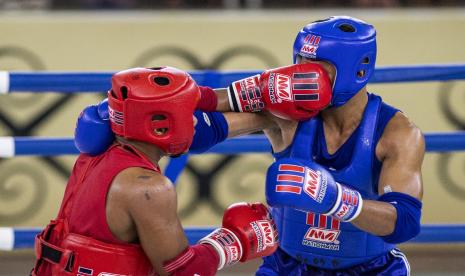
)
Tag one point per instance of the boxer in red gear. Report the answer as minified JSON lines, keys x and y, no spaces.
{"x":118,"y":215}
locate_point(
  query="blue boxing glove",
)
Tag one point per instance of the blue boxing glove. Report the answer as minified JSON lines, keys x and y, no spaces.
{"x":211,"y":129}
{"x":307,"y":186}
{"x":93,"y":133}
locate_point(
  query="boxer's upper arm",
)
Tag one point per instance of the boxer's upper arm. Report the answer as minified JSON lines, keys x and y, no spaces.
{"x":151,"y":201}
{"x":401,"y":150}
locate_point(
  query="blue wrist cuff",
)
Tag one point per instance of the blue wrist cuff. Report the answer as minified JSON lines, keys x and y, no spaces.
{"x":408,"y":216}
{"x":210,"y":130}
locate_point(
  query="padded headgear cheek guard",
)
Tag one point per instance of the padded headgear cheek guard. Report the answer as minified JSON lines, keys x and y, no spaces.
{"x":154,"y":106}
{"x":347,"y":43}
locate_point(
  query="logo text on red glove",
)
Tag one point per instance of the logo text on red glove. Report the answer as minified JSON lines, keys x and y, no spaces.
{"x":265,"y":233}
{"x":283,"y":87}
{"x":233,"y":252}
{"x":250,"y":94}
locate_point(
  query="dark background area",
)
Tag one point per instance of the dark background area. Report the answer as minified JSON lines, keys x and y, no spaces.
{"x":220,"y":4}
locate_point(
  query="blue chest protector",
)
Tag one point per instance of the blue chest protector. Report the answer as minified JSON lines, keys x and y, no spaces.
{"x":323,"y":241}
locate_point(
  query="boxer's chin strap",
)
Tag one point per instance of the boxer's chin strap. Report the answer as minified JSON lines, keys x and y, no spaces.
{"x":408,"y":216}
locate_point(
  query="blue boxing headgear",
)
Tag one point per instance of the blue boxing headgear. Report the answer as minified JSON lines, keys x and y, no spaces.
{"x":346,"y":42}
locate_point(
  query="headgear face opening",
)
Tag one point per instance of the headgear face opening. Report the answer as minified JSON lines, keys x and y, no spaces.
{"x":347,"y":43}
{"x":155,"y":106}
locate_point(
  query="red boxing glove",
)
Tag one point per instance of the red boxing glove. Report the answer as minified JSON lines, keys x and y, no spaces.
{"x":248,"y":232}
{"x":295,"y":92}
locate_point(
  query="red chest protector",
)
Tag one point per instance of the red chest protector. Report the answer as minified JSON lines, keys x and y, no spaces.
{"x":61,"y":252}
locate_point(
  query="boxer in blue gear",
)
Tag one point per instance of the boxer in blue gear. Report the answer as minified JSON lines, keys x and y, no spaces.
{"x":364,"y":144}
{"x":319,"y":244}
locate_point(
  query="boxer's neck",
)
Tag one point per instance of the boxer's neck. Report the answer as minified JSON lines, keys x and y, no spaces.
{"x":347,"y":117}
{"x":150,"y":151}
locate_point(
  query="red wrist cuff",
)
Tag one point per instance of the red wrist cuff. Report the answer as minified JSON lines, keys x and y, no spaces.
{"x":182,"y":259}
{"x":208,"y":99}
{"x":199,"y":259}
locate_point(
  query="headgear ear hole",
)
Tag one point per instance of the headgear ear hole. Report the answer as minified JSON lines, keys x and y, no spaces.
{"x":124,"y":92}
{"x":162,"y":81}
{"x":366,"y":60}
{"x":113,"y":94}
{"x":361,"y":73}
{"x":158,"y":117}
{"x":347,"y":28}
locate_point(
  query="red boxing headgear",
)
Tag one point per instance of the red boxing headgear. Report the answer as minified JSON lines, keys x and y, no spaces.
{"x":155,"y":106}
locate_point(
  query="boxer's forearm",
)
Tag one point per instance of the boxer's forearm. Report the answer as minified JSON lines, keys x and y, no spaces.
{"x":223,"y":101}
{"x":377,"y":218}
{"x":246,"y":123}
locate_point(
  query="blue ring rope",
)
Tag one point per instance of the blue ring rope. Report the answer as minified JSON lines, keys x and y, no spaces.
{"x":23,"y":238}
{"x":435,"y":142}
{"x":71,"y":82}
